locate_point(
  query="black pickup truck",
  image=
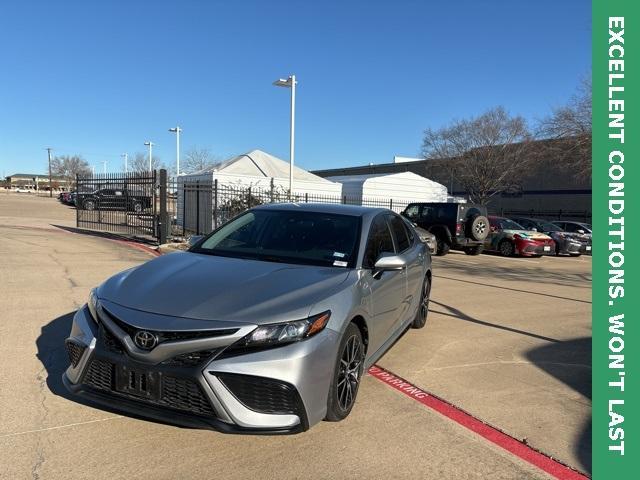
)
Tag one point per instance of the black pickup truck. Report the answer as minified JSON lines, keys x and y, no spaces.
{"x":112,"y":198}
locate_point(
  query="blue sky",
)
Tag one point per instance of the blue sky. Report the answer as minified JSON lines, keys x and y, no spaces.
{"x":100,"y":78}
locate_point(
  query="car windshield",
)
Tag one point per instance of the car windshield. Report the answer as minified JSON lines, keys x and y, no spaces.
{"x":506,"y":224}
{"x":299,"y":237}
{"x":549,"y":227}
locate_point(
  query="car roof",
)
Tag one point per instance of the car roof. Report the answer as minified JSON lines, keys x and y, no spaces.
{"x":338,"y":209}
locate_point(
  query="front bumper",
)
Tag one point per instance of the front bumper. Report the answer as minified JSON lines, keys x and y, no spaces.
{"x":571,"y":247}
{"x":280,"y":390}
{"x":527,"y":247}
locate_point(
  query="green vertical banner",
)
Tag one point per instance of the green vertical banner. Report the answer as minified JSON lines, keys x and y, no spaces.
{"x":616,"y":247}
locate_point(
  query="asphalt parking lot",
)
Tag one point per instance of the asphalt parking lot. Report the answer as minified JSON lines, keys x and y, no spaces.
{"x":507,"y":340}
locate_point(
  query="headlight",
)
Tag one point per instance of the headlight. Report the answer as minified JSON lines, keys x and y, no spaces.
{"x":92,"y":303}
{"x":282,"y":333}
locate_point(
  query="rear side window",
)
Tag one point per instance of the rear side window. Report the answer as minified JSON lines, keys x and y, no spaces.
{"x":400,"y":233}
{"x":412,"y":212}
{"x":379,"y":241}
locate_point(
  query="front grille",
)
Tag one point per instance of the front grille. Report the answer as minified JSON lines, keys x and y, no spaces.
{"x":184,"y":394}
{"x":109,"y":340}
{"x":263,"y":395}
{"x":169,"y":336}
{"x":177,"y":393}
{"x":100,"y":375}
{"x":74,"y":351}
{"x":191,"y":359}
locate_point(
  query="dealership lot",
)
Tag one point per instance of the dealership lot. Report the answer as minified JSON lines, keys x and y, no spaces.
{"x":508,"y":341}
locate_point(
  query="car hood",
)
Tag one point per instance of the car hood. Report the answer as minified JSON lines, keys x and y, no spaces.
{"x":528,"y":234}
{"x":207,"y":287}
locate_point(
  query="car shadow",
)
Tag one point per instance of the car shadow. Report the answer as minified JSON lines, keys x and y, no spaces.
{"x":53,"y":356}
{"x":570,"y":362}
{"x":107,"y":235}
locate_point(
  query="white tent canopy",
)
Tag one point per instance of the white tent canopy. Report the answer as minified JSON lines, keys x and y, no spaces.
{"x":403,"y":188}
{"x":260,"y":169}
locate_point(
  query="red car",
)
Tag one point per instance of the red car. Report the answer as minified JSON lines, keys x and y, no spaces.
{"x":509,"y":238}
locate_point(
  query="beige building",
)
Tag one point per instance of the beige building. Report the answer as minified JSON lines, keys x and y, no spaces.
{"x":35,"y":181}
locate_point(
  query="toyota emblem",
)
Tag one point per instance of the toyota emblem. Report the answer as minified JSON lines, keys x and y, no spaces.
{"x":145,"y":340}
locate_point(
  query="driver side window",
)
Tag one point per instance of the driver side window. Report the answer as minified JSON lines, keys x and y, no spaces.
{"x":379,"y":241}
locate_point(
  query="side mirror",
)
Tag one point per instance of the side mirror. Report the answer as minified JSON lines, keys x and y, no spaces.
{"x":581,"y":231}
{"x":534,"y":229}
{"x":193,"y":239}
{"x":388,"y":262}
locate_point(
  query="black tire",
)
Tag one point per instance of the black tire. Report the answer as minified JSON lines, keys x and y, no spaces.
{"x":477,"y":250}
{"x":478,"y":227}
{"x":89,"y":205}
{"x":137,"y":207}
{"x":506,"y":248}
{"x":346,"y":380}
{"x":443,"y":247}
{"x":423,"y":310}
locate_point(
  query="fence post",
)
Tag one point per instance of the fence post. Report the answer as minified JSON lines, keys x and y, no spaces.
{"x":249,"y":197}
{"x":163,"y":217}
{"x":215,"y":203}
{"x":306,"y":197}
{"x":272,"y":189}
{"x":344,"y":199}
{"x":77,"y":200}
{"x":197,"y":207}
{"x":184,"y":208}
{"x":391,"y":204}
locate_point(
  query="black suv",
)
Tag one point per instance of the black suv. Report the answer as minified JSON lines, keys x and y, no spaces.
{"x":113,"y":198}
{"x":461,"y":226}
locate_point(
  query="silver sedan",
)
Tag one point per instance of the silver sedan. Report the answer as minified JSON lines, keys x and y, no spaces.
{"x":265,"y":325}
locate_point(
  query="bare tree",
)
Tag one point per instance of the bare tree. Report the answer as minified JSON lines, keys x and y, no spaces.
{"x":572,"y":123}
{"x":140,"y":163}
{"x":68,"y":166}
{"x":485,"y":154}
{"x":197,"y":159}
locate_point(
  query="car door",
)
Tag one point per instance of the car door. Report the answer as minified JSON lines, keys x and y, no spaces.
{"x":414,"y":255}
{"x":387,"y":289}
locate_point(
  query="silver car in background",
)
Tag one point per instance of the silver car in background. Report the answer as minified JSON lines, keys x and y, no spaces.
{"x":266,"y":325}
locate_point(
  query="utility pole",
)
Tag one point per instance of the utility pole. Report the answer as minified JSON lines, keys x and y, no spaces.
{"x":150,"y":144}
{"x":49,"y":155}
{"x":126,"y":158}
{"x":177,"y":131}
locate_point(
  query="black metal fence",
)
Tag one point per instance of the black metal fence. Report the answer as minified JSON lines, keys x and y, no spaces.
{"x":147,"y":204}
{"x":198,"y":207}
{"x":123,"y":203}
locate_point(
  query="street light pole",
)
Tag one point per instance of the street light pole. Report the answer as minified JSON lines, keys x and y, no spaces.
{"x":177,"y":131}
{"x":290,"y":83}
{"x":50,"y":188}
{"x":126,"y":158}
{"x":150,"y":144}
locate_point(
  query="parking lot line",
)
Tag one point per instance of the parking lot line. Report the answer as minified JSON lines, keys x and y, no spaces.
{"x":58,"y":427}
{"x":488,"y":432}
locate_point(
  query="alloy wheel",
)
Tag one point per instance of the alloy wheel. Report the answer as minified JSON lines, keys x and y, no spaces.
{"x":424,"y":301}
{"x":350,"y":372}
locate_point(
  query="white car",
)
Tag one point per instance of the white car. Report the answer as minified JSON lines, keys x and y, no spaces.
{"x":22,"y":190}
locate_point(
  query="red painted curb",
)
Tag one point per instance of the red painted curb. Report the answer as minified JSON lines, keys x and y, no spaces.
{"x":495,"y":436}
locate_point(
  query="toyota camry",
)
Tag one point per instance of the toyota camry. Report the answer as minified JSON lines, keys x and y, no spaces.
{"x":266,"y":325}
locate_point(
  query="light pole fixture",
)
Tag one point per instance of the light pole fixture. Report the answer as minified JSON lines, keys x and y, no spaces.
{"x":290,"y":83}
{"x":177,"y":131}
{"x":150,"y":144}
{"x":126,"y":161}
